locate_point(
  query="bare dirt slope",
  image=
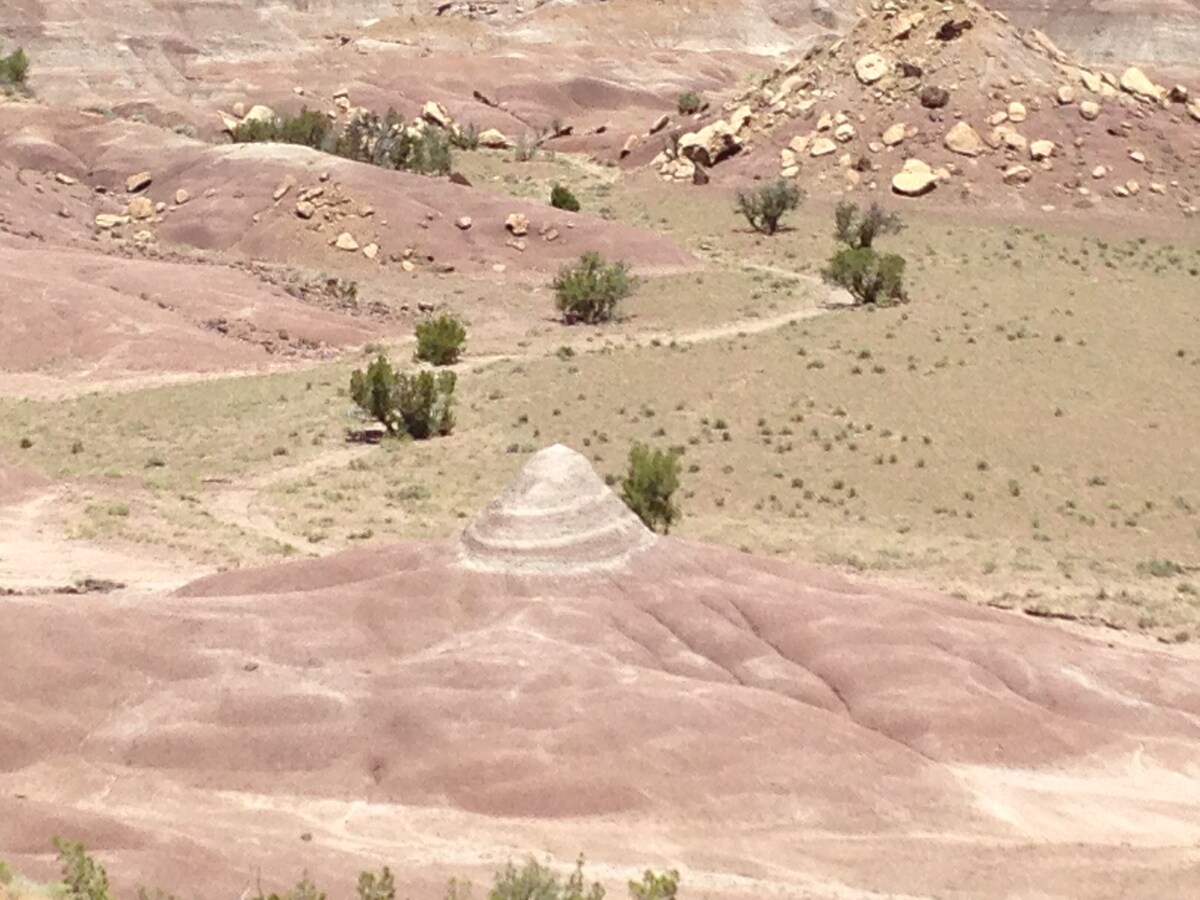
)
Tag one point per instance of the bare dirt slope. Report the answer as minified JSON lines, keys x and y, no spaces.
{"x":563,"y":679}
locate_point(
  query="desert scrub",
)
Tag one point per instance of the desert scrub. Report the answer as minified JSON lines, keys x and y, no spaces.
{"x":764,"y":207}
{"x":82,"y":877}
{"x":420,"y":405}
{"x":14,"y":69}
{"x":689,"y":103}
{"x":440,"y":341}
{"x":562,"y":197}
{"x":309,"y":128}
{"x":589,"y":290}
{"x":871,"y":277}
{"x":649,"y":486}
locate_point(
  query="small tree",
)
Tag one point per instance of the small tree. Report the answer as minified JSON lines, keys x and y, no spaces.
{"x":588,"y":291}
{"x":859,"y":229}
{"x":764,"y":207}
{"x":649,"y":485}
{"x":563,"y":198}
{"x":869,"y":276}
{"x":420,"y":405}
{"x":655,"y":887}
{"x":83,"y":877}
{"x":689,"y":103}
{"x":440,"y":341}
{"x":533,"y":881}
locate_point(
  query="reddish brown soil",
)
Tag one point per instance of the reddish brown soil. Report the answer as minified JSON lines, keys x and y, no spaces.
{"x":741,"y":711}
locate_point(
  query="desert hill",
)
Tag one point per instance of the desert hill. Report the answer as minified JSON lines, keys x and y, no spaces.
{"x":561,"y":670}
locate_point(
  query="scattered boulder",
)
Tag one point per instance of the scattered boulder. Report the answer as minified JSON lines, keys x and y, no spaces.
{"x":1090,"y":110}
{"x":1017,"y":175}
{"x":1194,"y":110}
{"x":914,"y":179}
{"x":741,"y":118}
{"x":283,"y":187}
{"x":1138,"y":157}
{"x":140,"y":208}
{"x":1091,"y":81}
{"x":138,"y":182}
{"x":933,"y":97}
{"x":660,"y":123}
{"x":108,"y":221}
{"x":370,"y":251}
{"x":870,"y":68}
{"x":630,"y":145}
{"x":844,"y":133}
{"x":895,"y":134}
{"x":822,"y":147}
{"x":1017,"y":112}
{"x":905,"y":24}
{"x":305,"y":209}
{"x":1066,"y":95}
{"x":517,"y":224}
{"x":464,"y":223}
{"x":182,"y":197}
{"x":964,"y":140}
{"x":1099,"y":172}
{"x":494,"y":139}
{"x":952,"y":30}
{"x":434,"y":113}
{"x":1135,"y":81}
{"x":1039,"y":150}
{"x":710,"y":144}
{"x":346,"y":241}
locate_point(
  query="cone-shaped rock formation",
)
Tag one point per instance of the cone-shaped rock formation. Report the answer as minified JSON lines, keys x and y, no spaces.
{"x":557,"y":517}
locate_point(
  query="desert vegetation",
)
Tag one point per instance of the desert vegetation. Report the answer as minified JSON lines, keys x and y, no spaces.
{"x":14,"y":69}
{"x":440,"y":341}
{"x":649,"y":486}
{"x":589,"y":290}
{"x":562,"y":197}
{"x":385,"y":141}
{"x":689,"y":103}
{"x":84,"y":878}
{"x":418,"y":404}
{"x":871,"y":277}
{"x":765,"y":206}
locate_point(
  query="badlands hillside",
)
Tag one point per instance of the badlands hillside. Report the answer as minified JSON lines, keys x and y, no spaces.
{"x":282,"y":603}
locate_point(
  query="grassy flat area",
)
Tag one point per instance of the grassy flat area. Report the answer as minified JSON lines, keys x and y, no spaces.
{"x":1023,"y":433}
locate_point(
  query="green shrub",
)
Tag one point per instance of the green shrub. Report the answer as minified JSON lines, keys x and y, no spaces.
{"x":534,"y":881}
{"x":689,"y":103}
{"x":563,"y":198}
{"x":655,"y":887}
{"x":305,"y":889}
{"x":309,"y":128}
{"x":649,"y":485}
{"x":765,"y":206}
{"x":420,"y":405}
{"x":83,"y":877}
{"x":858,"y":229}
{"x":588,"y":291}
{"x":869,"y":276}
{"x":14,"y":68}
{"x":6,"y":873}
{"x":377,"y":887}
{"x":466,"y":138}
{"x":440,"y":341}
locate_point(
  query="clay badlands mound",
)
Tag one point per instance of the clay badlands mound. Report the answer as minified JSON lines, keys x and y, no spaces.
{"x":558,"y":679}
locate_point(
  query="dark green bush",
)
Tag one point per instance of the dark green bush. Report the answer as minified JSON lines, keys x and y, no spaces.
{"x":588,"y":291}
{"x":649,"y":485}
{"x":420,"y":405}
{"x":859,"y":229}
{"x":309,"y":128}
{"x":563,"y":198}
{"x":14,"y":68}
{"x":869,"y":276}
{"x":305,"y":889}
{"x":440,"y":341}
{"x":377,"y":887}
{"x":764,"y":207}
{"x":689,"y":103}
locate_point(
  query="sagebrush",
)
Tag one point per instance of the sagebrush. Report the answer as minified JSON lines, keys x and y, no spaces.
{"x":440,"y":341}
{"x":563,"y":198}
{"x":589,"y":290}
{"x":764,"y":207}
{"x":689,"y":103}
{"x":14,"y":68}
